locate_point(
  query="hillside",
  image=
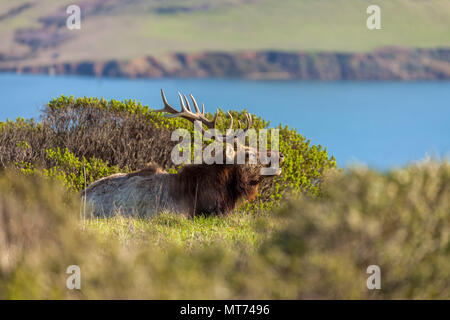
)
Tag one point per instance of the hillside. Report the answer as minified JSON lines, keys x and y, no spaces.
{"x":382,"y":64}
{"x":34,"y":33}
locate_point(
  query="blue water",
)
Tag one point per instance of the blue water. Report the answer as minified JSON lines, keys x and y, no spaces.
{"x":382,"y":124}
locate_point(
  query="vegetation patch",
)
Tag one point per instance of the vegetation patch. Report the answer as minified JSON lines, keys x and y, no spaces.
{"x":310,"y":248}
{"x":80,"y":140}
{"x":316,"y":243}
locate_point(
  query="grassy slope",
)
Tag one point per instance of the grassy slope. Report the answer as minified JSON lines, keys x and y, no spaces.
{"x":240,"y":230}
{"x":268,"y":24}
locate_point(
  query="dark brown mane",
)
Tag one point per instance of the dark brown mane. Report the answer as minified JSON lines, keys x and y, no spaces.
{"x":216,"y":188}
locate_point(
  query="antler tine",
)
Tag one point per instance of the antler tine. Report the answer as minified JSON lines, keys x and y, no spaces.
{"x":231,"y":121}
{"x":186,"y":113}
{"x":225,"y":136}
{"x":215,"y":118}
{"x":249,"y":124}
{"x":187,"y":103}
{"x":167,"y":107}
{"x":195,"y":104}
{"x":183,"y":107}
{"x":204,"y":119}
{"x":197,"y":109}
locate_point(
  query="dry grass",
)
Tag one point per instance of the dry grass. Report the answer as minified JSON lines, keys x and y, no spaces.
{"x":312,"y":248}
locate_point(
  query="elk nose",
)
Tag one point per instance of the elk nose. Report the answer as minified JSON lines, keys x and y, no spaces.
{"x":281,"y":157}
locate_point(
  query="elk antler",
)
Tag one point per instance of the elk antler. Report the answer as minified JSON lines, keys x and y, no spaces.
{"x":187,"y":113}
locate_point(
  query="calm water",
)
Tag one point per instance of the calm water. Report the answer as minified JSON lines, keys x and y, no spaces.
{"x":382,"y":124}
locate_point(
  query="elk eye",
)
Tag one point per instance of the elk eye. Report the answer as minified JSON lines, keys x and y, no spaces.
{"x":254,"y":182}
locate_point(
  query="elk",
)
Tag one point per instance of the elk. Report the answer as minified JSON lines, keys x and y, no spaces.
{"x":197,"y":189}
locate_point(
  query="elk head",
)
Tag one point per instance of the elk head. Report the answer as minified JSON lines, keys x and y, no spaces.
{"x":233,"y":142}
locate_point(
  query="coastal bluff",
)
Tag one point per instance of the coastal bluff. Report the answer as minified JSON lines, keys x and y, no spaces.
{"x":391,"y":63}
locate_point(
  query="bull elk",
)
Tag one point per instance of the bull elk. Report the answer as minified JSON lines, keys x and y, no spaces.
{"x":196,"y":189}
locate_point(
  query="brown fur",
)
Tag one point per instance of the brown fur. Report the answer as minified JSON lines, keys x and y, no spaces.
{"x":197,"y":189}
{"x":215,"y":189}
{"x":149,"y":170}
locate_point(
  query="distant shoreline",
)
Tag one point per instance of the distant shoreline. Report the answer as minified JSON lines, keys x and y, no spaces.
{"x":391,"y":63}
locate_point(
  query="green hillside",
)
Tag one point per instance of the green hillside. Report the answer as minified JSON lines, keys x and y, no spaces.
{"x":128,"y":29}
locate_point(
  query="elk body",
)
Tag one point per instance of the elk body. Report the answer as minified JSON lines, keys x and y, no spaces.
{"x":196,"y":189}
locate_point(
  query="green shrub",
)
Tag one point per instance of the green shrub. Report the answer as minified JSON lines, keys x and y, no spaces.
{"x":110,"y":136}
{"x":23,"y":141}
{"x":76,"y":174}
{"x":73,"y":172}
